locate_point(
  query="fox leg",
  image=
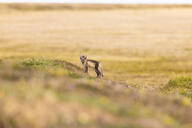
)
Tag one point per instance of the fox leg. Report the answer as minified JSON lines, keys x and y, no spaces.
{"x":97,"y":70}
{"x":101,"y":70}
{"x":86,"y":69}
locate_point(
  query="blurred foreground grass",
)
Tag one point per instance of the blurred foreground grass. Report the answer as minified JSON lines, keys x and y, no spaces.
{"x":53,"y":93}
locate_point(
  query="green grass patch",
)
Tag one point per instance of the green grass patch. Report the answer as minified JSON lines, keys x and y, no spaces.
{"x":54,"y":67}
{"x":181,"y":85}
{"x":180,"y":82}
{"x":183,"y":82}
{"x":36,"y":63}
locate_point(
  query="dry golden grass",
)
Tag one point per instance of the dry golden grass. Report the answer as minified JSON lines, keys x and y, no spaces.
{"x":115,"y":36}
{"x":42,"y":6}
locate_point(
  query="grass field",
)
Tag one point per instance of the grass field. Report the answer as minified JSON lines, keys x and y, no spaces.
{"x":146,"y":53}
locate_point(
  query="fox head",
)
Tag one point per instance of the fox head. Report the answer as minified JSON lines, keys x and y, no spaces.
{"x":83,"y":58}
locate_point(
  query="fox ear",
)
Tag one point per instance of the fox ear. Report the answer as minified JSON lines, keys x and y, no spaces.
{"x":83,"y":56}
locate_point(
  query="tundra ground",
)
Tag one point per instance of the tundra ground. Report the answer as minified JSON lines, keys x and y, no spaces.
{"x":145,"y":53}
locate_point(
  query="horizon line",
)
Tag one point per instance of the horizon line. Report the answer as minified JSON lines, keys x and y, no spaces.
{"x":98,"y":2}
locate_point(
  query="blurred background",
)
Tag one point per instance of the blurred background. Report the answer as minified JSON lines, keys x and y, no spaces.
{"x":145,"y":47}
